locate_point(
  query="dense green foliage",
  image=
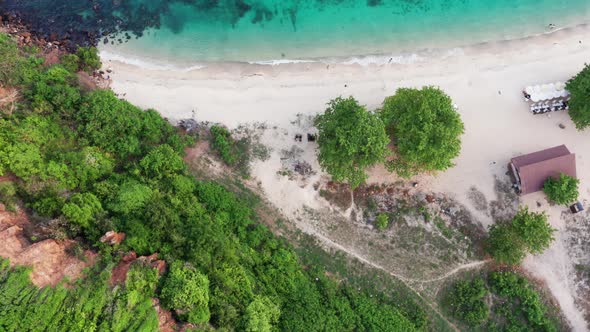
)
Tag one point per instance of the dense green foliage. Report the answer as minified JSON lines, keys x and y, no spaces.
{"x":425,"y":128}
{"x":527,"y":232}
{"x":186,"y":291}
{"x":467,"y":301}
{"x":523,"y":309}
{"x":563,"y":190}
{"x":89,"y":306}
{"x":579,"y":103}
{"x":88,"y":59}
{"x":95,"y":163}
{"x":350,"y":140}
{"x":499,"y":301}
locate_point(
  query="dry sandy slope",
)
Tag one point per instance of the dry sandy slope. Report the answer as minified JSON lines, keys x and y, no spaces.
{"x":484,"y":81}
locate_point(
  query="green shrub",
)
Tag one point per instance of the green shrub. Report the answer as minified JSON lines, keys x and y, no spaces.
{"x":563,"y":190}
{"x":89,"y":59}
{"x":467,"y":301}
{"x":223,"y":144}
{"x":382,"y":221}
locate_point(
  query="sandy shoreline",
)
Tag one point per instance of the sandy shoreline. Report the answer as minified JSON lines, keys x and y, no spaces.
{"x":485,"y":81}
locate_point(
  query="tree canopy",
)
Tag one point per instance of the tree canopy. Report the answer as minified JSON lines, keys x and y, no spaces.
{"x":579,"y":103}
{"x":425,"y":128}
{"x":527,"y":232}
{"x":563,"y":190}
{"x":186,"y":291}
{"x":350,"y":140}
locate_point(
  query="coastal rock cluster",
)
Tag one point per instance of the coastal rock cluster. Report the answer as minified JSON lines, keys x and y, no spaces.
{"x":83,"y":23}
{"x":87,"y":23}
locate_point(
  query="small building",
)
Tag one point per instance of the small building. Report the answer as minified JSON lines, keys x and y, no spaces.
{"x":530,"y":171}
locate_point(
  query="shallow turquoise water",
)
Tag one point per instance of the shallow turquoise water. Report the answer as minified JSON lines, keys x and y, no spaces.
{"x":255,"y":30}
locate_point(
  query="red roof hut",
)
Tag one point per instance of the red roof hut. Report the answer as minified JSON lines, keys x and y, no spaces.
{"x":531,"y":170}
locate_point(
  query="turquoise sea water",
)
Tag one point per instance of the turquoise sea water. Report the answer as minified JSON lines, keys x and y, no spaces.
{"x":258,"y":30}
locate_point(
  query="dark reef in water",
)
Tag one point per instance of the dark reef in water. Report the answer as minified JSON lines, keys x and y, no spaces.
{"x":88,"y":22}
{"x":83,"y":22}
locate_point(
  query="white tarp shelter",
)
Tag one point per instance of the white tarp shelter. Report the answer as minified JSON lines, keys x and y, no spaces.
{"x":546,"y":92}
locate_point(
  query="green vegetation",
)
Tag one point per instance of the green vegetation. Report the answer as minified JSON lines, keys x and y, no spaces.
{"x":87,"y":163}
{"x":579,"y":103}
{"x":88,"y":59}
{"x":499,"y":301}
{"x":467,"y":301}
{"x":89,"y":306}
{"x":350,"y":140}
{"x":563,"y":190}
{"x":522,"y":309}
{"x":222,"y":143}
{"x":233,"y":153}
{"x":186,"y":291}
{"x":527,"y":232}
{"x":382,"y":221}
{"x":425,"y":128}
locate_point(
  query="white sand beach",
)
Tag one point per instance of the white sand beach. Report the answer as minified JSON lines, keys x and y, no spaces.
{"x":485,"y":81}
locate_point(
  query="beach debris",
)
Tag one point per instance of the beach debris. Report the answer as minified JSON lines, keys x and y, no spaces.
{"x":302,"y":167}
{"x":189,"y":125}
{"x":562,"y":126}
{"x":311,"y":137}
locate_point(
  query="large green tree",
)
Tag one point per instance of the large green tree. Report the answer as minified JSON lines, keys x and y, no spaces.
{"x":563,"y":190}
{"x":425,"y":128}
{"x":579,"y":104}
{"x":350,"y":140}
{"x":527,"y":232}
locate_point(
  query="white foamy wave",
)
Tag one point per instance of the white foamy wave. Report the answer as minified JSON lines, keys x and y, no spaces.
{"x":365,"y":60}
{"x":381,"y":60}
{"x":280,"y":62}
{"x":146,"y":64}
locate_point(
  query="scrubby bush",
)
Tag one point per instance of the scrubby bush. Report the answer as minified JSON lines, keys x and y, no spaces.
{"x":8,"y":195}
{"x":563,"y":190}
{"x":382,"y":221}
{"x":222,"y":143}
{"x":579,"y":103}
{"x":351,"y":139}
{"x":525,"y":300}
{"x":467,"y":301}
{"x":425,"y":128}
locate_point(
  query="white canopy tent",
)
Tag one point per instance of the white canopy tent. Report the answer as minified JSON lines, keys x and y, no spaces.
{"x":546,"y":92}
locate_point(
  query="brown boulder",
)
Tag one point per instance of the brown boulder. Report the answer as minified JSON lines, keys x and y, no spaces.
{"x":112,"y":238}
